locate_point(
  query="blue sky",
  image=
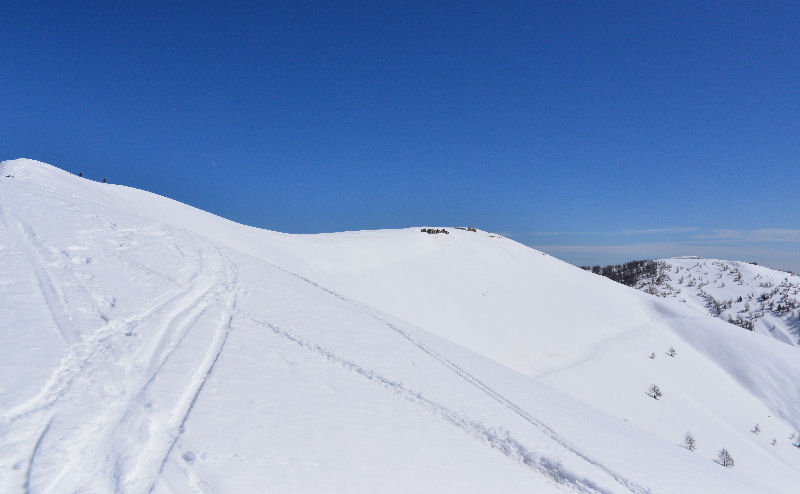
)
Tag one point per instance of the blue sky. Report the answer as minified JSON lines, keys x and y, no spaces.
{"x":596,"y":131}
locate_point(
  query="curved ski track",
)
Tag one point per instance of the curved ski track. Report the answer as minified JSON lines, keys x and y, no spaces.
{"x":137,"y":467}
{"x":114,"y":347}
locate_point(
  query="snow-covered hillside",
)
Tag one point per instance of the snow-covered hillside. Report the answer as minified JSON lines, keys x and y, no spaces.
{"x":147,"y":346}
{"x":753,"y":297}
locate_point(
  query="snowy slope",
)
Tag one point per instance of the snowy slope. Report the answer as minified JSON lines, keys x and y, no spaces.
{"x":147,"y":346}
{"x":578,"y":332}
{"x":754,"y":297}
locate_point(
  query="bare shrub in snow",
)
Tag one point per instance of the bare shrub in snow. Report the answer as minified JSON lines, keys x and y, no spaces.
{"x":689,"y":442}
{"x":654,"y":392}
{"x":724,"y":458}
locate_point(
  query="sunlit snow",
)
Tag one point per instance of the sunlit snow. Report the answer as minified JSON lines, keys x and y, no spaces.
{"x":147,"y":346}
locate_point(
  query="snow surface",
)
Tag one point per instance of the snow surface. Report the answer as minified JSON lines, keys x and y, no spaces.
{"x":768,"y":298}
{"x":147,"y":346}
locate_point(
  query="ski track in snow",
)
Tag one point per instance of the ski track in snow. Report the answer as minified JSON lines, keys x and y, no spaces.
{"x":182,"y":310}
{"x":466,"y":376}
{"x":27,"y":486}
{"x":113,"y":414}
{"x":184,"y":307}
{"x":189,"y":305}
{"x":178,"y":311}
{"x":496,"y":438}
{"x":175,"y":330}
{"x":83,"y":354}
{"x":628,"y":484}
{"x":154,"y":453}
{"x":53,"y":298}
{"x":215,"y":351}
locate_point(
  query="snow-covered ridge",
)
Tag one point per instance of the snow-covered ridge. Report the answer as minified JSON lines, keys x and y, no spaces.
{"x":147,"y":346}
{"x":756,"y":298}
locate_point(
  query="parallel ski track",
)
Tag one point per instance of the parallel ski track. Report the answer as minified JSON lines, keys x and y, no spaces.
{"x":194,"y":391}
{"x":181,"y":310}
{"x":497,"y":438}
{"x":178,"y":320}
{"x":475,"y":382}
{"x":174,"y":332}
{"x":169,"y":341}
{"x":82,"y":354}
{"x":53,"y":298}
{"x":39,"y":410}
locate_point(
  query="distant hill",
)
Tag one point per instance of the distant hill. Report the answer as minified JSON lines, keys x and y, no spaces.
{"x":753,"y":297}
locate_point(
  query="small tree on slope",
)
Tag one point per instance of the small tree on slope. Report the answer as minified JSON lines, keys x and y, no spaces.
{"x":689,"y":442}
{"x":724,"y":458}
{"x":654,"y":392}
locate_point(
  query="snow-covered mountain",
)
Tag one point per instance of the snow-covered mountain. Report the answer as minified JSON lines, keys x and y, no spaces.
{"x":753,"y":297}
{"x":147,"y":346}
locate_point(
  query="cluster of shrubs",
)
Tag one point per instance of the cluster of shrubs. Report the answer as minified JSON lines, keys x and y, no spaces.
{"x":434,"y":231}
{"x":633,"y":272}
{"x":742,"y":323}
{"x":467,"y":228}
{"x":715,"y":306}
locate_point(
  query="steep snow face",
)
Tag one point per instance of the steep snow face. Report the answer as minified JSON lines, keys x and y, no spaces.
{"x":147,"y":346}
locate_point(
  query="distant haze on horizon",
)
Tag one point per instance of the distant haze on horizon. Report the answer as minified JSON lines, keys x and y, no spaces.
{"x":771,"y":248}
{"x":596,"y":133}
{"x":590,"y":256}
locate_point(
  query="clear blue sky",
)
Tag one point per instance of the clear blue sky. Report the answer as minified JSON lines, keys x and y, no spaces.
{"x":596,"y":131}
